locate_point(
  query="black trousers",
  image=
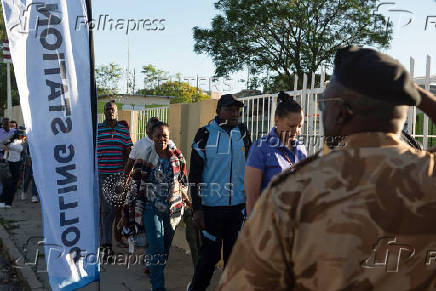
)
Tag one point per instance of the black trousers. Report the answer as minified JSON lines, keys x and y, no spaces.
{"x":10,"y":186}
{"x":223,"y":224}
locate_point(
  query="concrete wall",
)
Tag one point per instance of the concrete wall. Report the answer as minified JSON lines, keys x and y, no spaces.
{"x":132,"y":119}
{"x":186,"y":119}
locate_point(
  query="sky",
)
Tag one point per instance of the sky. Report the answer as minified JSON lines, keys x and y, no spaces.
{"x":170,"y":48}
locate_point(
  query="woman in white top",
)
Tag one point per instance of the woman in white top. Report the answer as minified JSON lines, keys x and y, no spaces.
{"x":13,"y":154}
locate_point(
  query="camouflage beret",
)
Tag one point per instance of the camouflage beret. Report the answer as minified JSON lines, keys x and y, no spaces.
{"x":375,"y":75}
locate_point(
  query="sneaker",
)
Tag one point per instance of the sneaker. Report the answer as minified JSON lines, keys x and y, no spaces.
{"x":8,"y":206}
{"x":23,"y":196}
{"x":34,"y":199}
{"x":2,"y":205}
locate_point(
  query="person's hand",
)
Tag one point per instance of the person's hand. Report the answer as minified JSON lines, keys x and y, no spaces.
{"x":198,"y":219}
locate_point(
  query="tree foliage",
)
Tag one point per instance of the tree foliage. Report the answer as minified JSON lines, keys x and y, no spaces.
{"x":2,"y":25}
{"x":108,"y":78}
{"x":153,"y":76}
{"x":182,"y":92}
{"x":288,"y":36}
{"x":158,"y":82}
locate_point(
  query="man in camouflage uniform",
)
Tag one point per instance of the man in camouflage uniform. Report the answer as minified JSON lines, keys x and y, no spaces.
{"x":361,"y":217}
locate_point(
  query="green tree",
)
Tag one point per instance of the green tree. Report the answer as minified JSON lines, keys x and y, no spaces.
{"x":182,"y":92}
{"x":158,"y":82}
{"x":108,"y":78}
{"x":286,"y":36}
{"x":153,"y":76}
{"x":2,"y":24}
{"x":3,"y":74}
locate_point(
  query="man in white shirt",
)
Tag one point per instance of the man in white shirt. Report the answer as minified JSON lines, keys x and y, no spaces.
{"x":140,"y":146}
{"x":13,"y":154}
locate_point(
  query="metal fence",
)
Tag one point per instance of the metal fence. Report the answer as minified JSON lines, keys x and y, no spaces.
{"x":142,"y":118}
{"x":145,"y":115}
{"x":418,"y":124}
{"x":258,"y":112}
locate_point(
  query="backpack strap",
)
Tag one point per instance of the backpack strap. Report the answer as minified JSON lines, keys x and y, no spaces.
{"x":201,"y":138}
{"x":245,"y":134}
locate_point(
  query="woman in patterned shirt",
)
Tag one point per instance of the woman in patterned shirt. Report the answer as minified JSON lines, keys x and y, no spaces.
{"x":161,"y":181}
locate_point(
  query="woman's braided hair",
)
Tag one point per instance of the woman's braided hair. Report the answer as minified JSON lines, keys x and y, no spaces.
{"x":286,"y":104}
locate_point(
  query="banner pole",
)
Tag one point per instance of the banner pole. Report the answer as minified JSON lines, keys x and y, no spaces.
{"x":9,"y":94}
{"x":93,"y":95}
{"x":92,"y":71}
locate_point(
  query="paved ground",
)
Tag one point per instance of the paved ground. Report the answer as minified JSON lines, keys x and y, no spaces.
{"x":8,"y":277}
{"x":23,"y":222}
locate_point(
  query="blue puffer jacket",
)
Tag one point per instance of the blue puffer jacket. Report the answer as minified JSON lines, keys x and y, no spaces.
{"x":218,"y":167}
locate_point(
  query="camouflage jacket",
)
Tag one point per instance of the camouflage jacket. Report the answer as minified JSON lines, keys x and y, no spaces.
{"x":362,"y":217}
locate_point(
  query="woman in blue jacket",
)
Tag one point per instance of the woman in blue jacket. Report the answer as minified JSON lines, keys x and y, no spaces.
{"x":276,"y":151}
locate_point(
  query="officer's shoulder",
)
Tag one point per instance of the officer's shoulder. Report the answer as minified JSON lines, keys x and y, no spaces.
{"x":294,"y":170}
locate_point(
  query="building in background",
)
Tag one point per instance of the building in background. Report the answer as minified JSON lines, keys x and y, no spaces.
{"x":134,"y":101}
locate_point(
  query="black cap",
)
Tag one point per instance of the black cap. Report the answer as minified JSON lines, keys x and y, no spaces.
{"x":375,"y":75}
{"x":21,"y":130}
{"x":228,"y":100}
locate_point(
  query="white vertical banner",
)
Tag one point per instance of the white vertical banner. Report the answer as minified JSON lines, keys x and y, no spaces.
{"x":51,"y":59}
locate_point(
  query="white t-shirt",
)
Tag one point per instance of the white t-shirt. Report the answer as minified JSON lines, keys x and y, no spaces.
{"x":15,"y":149}
{"x":141,"y":146}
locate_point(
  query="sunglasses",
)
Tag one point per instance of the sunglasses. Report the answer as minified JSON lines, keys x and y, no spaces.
{"x":321,"y":103}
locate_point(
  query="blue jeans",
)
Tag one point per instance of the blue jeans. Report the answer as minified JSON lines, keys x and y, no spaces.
{"x":159,"y":235}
